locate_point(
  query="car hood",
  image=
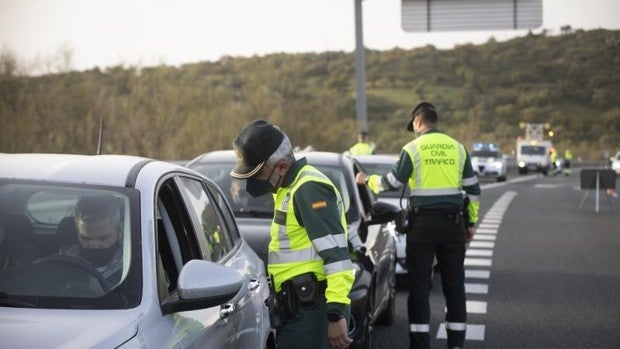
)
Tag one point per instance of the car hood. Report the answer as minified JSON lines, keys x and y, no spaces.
{"x":484,"y":159}
{"x":52,"y":328}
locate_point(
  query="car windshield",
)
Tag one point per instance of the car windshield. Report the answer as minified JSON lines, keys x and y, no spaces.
{"x":68,"y":246}
{"x":381,"y":169}
{"x":485,"y":154}
{"x":244,"y":205}
{"x":533,"y":150}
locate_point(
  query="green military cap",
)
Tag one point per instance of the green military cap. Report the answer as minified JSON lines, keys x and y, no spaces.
{"x":420,"y":108}
{"x":256,"y":142}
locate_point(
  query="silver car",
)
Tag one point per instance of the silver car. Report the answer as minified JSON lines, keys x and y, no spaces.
{"x":183,"y":276}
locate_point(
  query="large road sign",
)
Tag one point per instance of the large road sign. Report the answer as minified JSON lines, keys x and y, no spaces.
{"x":461,"y":15}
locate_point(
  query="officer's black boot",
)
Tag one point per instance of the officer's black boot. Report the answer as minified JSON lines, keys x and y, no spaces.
{"x":420,"y":340}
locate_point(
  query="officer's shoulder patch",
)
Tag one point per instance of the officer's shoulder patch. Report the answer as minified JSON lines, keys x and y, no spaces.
{"x":319,"y":204}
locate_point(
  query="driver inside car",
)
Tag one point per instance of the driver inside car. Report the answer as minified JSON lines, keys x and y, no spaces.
{"x":98,"y":223}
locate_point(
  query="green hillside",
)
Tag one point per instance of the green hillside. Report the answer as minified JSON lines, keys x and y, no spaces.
{"x":482,"y":92}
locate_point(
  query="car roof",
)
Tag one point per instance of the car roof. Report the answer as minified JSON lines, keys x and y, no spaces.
{"x":313,"y":157}
{"x":377,"y":159}
{"x":214,"y":156}
{"x":112,"y":170}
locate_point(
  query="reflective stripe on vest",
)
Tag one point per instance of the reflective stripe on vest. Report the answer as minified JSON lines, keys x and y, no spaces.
{"x":438,"y":162}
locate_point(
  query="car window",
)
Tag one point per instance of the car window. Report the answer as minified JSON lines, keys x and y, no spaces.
{"x":378,"y":168}
{"x":242,"y":203}
{"x":70,"y":246}
{"x":206,"y":211}
{"x":224,"y":208}
{"x":366,"y":196}
{"x":176,"y":240}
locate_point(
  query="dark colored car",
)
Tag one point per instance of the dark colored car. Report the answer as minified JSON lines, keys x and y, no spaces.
{"x":372,"y":295}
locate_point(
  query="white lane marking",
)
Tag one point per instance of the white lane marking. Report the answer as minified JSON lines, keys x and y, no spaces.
{"x":484,"y":237}
{"x":477,"y":274}
{"x":546,"y":186}
{"x":473,"y":307}
{"x":473,"y":332}
{"x":486,"y":231}
{"x":476,"y":288}
{"x":477,"y":262}
{"x":472,"y":252}
{"x":482,"y":244}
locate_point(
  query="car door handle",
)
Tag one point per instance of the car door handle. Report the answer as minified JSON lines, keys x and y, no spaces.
{"x":254,"y":284}
{"x":226,"y":310}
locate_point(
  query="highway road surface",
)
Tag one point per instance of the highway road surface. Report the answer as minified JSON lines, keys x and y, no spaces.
{"x":541,"y":272}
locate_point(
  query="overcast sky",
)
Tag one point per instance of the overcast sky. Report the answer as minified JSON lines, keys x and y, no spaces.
{"x":147,"y":32}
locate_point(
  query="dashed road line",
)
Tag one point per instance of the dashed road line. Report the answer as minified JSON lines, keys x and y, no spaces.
{"x":481,"y":246}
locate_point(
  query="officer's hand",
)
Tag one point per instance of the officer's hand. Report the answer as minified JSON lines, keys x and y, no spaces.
{"x":469,"y":234}
{"x":360,"y":178}
{"x":337,"y":334}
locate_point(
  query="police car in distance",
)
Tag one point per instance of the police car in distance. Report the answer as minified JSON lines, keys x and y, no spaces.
{"x":488,"y":162}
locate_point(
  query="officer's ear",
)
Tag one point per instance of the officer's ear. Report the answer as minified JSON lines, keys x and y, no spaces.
{"x":282,"y":167}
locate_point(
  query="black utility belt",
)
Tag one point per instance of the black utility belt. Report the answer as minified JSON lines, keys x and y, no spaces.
{"x":421,"y":211}
{"x":302,"y":291}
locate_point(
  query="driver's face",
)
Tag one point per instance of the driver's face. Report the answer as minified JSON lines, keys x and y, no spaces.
{"x":97,"y":233}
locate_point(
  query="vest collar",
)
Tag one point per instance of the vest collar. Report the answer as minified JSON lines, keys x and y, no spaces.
{"x":293,"y":171}
{"x":430,"y":130}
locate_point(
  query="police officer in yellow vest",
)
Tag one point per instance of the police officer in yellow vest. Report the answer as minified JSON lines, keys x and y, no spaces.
{"x":437,"y":168}
{"x":553,"y":158}
{"x":308,"y":252}
{"x":363,"y":146}
{"x":568,"y":156}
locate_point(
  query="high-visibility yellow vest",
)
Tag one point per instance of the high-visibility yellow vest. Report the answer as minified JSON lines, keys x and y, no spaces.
{"x":362,"y":149}
{"x":291,"y":252}
{"x":438,"y":162}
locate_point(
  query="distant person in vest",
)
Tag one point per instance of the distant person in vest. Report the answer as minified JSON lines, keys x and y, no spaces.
{"x":99,"y":235}
{"x":568,"y":156}
{"x":437,"y":169}
{"x":308,"y":253}
{"x":363,"y":145}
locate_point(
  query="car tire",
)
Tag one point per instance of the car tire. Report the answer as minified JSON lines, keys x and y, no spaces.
{"x":363,"y":340}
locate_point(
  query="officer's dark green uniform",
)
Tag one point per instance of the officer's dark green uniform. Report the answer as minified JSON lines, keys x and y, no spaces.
{"x":436,"y":167}
{"x":308,"y":235}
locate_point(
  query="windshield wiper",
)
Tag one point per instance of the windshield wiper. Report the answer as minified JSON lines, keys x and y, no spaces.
{"x":6,"y":302}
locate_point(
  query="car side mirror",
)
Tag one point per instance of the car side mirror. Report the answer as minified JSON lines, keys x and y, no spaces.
{"x":382,"y":212}
{"x":203,"y":284}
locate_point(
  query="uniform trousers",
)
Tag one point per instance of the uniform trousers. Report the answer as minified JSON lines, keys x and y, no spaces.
{"x":307,"y":329}
{"x":439,"y":235}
